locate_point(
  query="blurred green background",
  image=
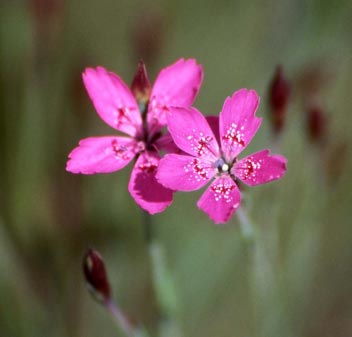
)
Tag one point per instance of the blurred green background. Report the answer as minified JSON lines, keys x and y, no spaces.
{"x":293,"y":279}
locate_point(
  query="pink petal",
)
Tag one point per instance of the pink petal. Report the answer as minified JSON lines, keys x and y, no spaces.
{"x":184,"y":173}
{"x":167,"y":144}
{"x":260,"y":168}
{"x":113,"y":100}
{"x":192,"y":133}
{"x":238,"y":123}
{"x":101,"y":155}
{"x":220,"y":200}
{"x":144,"y":188}
{"x":213,"y":122}
{"x":176,"y":85}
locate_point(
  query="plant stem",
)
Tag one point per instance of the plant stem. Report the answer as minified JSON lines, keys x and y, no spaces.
{"x":121,"y":320}
{"x":247,"y":228}
{"x":147,"y":227}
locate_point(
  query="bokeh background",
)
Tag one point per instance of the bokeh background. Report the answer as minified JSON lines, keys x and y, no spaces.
{"x":293,"y":278}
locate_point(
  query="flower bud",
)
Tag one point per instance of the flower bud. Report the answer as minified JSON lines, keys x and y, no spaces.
{"x":316,"y":124}
{"x":141,"y":87}
{"x":148,"y":34}
{"x":95,"y":275}
{"x":45,"y":10}
{"x":313,"y":79}
{"x":279,"y":94}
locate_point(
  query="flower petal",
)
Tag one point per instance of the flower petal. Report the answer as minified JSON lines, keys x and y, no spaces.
{"x":238,"y":123}
{"x":101,"y":155}
{"x":184,"y":173}
{"x":144,"y":188}
{"x":167,"y":144}
{"x":220,"y":200}
{"x":175,"y":85}
{"x":213,"y":122}
{"x":192,"y":133}
{"x":260,"y":168}
{"x":113,"y":100}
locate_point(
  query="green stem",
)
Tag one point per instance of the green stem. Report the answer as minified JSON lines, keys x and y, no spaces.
{"x":247,"y":228}
{"x":162,"y":282}
{"x":147,"y":227}
{"x":123,"y":322}
{"x":120,"y":319}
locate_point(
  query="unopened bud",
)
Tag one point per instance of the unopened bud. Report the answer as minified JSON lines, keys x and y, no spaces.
{"x":141,"y":87}
{"x":45,"y":10}
{"x":148,"y":34}
{"x":96,"y":276}
{"x":316,"y":124}
{"x":314,"y":78}
{"x":279,"y":94}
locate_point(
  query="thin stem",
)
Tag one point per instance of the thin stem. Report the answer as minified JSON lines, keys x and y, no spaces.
{"x":247,"y":228}
{"x":147,"y":227}
{"x":148,"y":234}
{"x":121,"y":320}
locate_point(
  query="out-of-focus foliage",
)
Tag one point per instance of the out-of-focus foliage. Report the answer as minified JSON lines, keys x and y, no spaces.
{"x":293,"y":279}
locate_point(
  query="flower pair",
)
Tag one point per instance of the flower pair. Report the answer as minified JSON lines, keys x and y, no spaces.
{"x":209,"y":146}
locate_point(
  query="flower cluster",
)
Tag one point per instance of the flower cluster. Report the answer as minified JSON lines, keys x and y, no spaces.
{"x":139,"y":112}
{"x":198,"y":149}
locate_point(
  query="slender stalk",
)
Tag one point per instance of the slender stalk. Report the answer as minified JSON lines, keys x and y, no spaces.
{"x":161,"y":281}
{"x":121,"y":320}
{"x":247,"y":228}
{"x":149,"y":240}
{"x":147,"y":227}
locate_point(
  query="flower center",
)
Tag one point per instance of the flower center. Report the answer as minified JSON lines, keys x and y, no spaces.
{"x":140,"y":147}
{"x":222,"y":166}
{"x":147,"y":137}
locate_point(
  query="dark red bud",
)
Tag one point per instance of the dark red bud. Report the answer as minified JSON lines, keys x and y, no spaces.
{"x":279,"y":95}
{"x":95,"y":275}
{"x":316,"y":124}
{"x":314,"y":78}
{"x":44,"y":11}
{"x":141,"y":87}
{"x":148,"y":34}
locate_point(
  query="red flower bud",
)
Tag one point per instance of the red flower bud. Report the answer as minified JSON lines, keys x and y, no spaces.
{"x":45,"y":10}
{"x":313,"y":79}
{"x":148,"y":34}
{"x":141,"y":87}
{"x":316,"y":124}
{"x":279,"y":94}
{"x":95,"y":275}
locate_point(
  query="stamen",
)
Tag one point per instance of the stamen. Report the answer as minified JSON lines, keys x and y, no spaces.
{"x":225,"y":167}
{"x":221,"y":165}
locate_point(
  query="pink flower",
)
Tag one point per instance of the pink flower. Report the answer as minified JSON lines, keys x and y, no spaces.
{"x":141,"y":114}
{"x":212,"y":146}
